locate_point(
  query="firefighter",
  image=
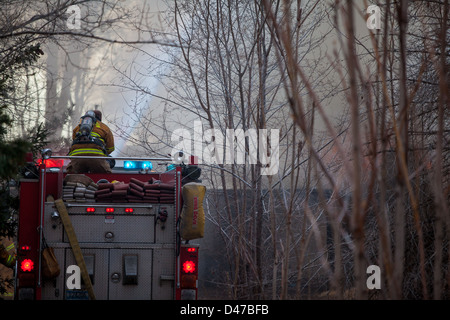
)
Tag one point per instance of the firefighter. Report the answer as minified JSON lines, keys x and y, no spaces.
{"x":91,"y":137}
{"x":7,"y":259}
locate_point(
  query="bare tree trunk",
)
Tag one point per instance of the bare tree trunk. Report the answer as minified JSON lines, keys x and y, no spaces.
{"x":357,"y":220}
{"x":442,"y":222}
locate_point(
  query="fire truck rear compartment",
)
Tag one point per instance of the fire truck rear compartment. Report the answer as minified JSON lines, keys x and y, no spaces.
{"x":129,"y":254}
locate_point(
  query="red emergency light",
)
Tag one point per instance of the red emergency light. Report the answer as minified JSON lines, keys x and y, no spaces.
{"x":90,"y":209}
{"x":189,"y":266}
{"x":27,"y":265}
{"x":109,"y":210}
{"x":52,"y":163}
{"x":191,"y":249}
{"x":129,"y":210}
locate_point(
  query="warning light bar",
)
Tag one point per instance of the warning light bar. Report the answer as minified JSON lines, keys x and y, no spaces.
{"x":51,"y":163}
{"x":138,"y":165}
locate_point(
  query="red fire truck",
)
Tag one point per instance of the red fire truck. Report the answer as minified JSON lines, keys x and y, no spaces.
{"x":131,"y":248}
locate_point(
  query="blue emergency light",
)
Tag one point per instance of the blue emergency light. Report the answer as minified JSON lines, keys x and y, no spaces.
{"x":131,"y":165}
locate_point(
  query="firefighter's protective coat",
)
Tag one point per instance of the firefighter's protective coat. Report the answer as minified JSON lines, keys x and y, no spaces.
{"x":192,"y":224}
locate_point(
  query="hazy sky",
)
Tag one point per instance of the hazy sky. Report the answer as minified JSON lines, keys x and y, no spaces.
{"x":134,"y":62}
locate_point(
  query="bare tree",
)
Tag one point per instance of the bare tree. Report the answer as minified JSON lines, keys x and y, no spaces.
{"x":74,"y":35}
{"x":224,"y":74}
{"x":394,"y":212}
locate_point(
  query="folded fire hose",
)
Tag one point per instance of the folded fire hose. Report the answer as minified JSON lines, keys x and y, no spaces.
{"x":60,"y":206}
{"x":192,"y":216}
